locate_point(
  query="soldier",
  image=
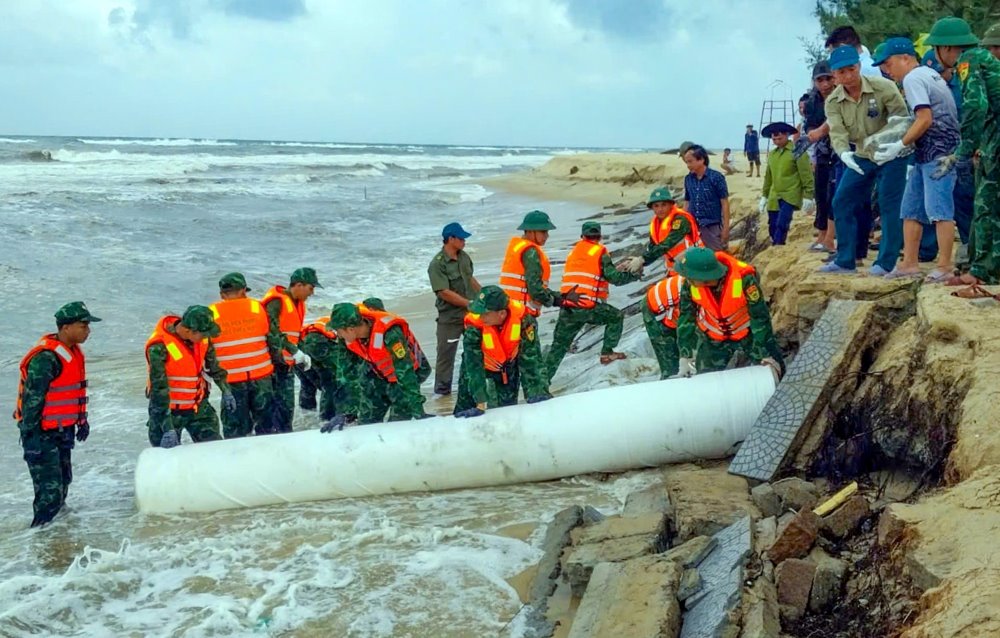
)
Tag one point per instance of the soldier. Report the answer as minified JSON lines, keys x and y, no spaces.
{"x":722,"y":313}
{"x":524,"y":275}
{"x":991,"y":41}
{"x":492,"y":357}
{"x":178,"y":355}
{"x":379,"y":366}
{"x":286,"y":312}
{"x":671,"y":231}
{"x":957,"y":47}
{"x":245,"y":348}
{"x":659,"y":315}
{"x":52,"y":408}
{"x":318,"y":341}
{"x":588,"y":269}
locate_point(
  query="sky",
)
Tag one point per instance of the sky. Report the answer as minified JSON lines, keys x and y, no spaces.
{"x":578,"y":73}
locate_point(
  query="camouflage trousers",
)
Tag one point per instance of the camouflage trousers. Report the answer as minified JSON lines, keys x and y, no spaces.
{"x":713,"y":356}
{"x":500,"y":388}
{"x":318,"y":379}
{"x":254,"y":409}
{"x":534,"y":380}
{"x":664,"y":340}
{"x":377,"y":397}
{"x":284,"y":397}
{"x":984,"y":244}
{"x":49,"y":458}
{"x":201,"y":424}
{"x":572,"y":320}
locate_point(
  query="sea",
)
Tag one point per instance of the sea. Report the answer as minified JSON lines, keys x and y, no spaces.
{"x":140,"y":227}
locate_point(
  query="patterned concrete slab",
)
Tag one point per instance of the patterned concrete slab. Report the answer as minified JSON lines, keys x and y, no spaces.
{"x":721,"y":574}
{"x":805,"y":389}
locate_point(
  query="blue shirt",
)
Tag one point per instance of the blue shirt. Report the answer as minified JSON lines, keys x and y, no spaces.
{"x":751,"y":144}
{"x":705,"y":195}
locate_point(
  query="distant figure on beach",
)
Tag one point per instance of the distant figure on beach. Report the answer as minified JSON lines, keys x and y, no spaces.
{"x":453,"y":283}
{"x":751,"y":150}
{"x":788,"y":182}
{"x":727,"y":161}
{"x":706,"y":196}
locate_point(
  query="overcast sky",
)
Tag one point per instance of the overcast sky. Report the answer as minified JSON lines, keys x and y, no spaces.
{"x":616,"y":73}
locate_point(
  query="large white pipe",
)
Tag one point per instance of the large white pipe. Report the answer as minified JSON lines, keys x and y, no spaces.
{"x":613,"y":429}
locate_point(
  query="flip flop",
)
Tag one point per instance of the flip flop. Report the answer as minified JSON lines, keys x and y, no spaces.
{"x":817,"y":248}
{"x":895,"y":274}
{"x":937,"y":276}
{"x":975,"y":291}
{"x":614,"y":356}
{"x":960,"y":280}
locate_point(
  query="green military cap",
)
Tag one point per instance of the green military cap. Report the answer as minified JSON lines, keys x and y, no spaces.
{"x":200,"y":319}
{"x":591,"y":228}
{"x":72,"y":312}
{"x":700,"y":264}
{"x":537,"y":220}
{"x":489,"y":298}
{"x":304,"y":276}
{"x":661,"y":194}
{"x":951,"y":32}
{"x":992,"y":36}
{"x":374,"y":303}
{"x":344,"y":315}
{"x":233,"y":281}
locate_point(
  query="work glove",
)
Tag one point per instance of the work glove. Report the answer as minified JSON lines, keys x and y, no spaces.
{"x":82,"y":430}
{"x":775,"y":367}
{"x":808,"y":205}
{"x":228,"y":403}
{"x":762,"y":204}
{"x":888,"y":152}
{"x":944,"y":166}
{"x":801,"y":146}
{"x":302,"y":360}
{"x":539,"y":398}
{"x":571,"y":296}
{"x":170,"y":439}
{"x":634,"y":264}
{"x":847,"y":157}
{"x":337,"y":423}
{"x":470,"y":412}
{"x":685,"y":368}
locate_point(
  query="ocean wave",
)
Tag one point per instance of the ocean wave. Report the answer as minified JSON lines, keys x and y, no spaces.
{"x":39,"y":156}
{"x":11,"y":140}
{"x":164,"y":141}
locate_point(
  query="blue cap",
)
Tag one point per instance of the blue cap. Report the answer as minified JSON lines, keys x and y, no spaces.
{"x":844,"y":56}
{"x":931,"y":60}
{"x":455,"y":229}
{"x":894,"y":46}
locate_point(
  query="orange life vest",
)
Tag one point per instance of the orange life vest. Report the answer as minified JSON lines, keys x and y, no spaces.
{"x":664,"y":300}
{"x":502,"y":344}
{"x":241,"y":347}
{"x":512,"y":273}
{"x":583,"y":269}
{"x":728,"y":318}
{"x":319,"y":326}
{"x":66,"y":399}
{"x":293,"y":315}
{"x":660,"y":229}
{"x":375,"y":352}
{"x":185,"y":365}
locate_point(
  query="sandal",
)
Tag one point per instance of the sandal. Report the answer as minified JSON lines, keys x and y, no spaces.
{"x":614,"y":356}
{"x":975,"y":291}
{"x":962,"y":280}
{"x":937,"y":276}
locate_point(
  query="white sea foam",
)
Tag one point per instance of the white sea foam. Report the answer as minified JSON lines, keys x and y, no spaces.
{"x":167,"y":141}
{"x":13,"y":140}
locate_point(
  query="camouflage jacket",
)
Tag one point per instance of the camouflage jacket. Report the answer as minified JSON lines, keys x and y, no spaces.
{"x":159,"y":392}
{"x":680,"y":230}
{"x":276,"y":339}
{"x":979,"y":73}
{"x":42,"y":369}
{"x":761,"y":331}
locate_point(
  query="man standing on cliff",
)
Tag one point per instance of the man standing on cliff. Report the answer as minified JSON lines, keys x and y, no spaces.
{"x":706,"y":197}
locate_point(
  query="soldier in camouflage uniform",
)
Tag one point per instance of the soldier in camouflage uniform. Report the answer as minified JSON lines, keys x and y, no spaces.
{"x":723,"y":315}
{"x":660,"y":311}
{"x":589,"y":269}
{"x":671,"y":231}
{"x":492,"y":356}
{"x":379,"y":367}
{"x":956,"y":47}
{"x":52,"y":408}
{"x":200,"y":420}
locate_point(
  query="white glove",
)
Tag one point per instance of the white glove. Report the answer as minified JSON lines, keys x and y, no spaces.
{"x":775,"y":368}
{"x":888,"y":152}
{"x":633,"y":264}
{"x":302,"y":360}
{"x":808,"y":205}
{"x":685,"y":368}
{"x":847,"y":157}
{"x":762,"y":204}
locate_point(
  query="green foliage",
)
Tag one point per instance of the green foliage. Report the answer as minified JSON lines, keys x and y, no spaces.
{"x":876,"y":20}
{"x":814,"y":51}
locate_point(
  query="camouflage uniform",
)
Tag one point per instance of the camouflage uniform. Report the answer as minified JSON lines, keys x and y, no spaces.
{"x":534,"y":380}
{"x":284,"y":374}
{"x":321,"y":376}
{"x":664,"y":341}
{"x":680,"y":229}
{"x":572,"y":320}
{"x":254,"y":409}
{"x":201,"y":423}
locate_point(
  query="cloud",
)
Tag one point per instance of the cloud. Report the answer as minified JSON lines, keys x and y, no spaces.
{"x":632,"y":19}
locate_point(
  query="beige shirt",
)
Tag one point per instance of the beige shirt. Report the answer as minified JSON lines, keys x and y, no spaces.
{"x":852,"y":121}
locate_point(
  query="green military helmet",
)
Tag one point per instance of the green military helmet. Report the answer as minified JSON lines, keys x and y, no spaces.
{"x":700,"y":264}
{"x":304,"y":276}
{"x":661,"y":194}
{"x":992,"y":36}
{"x":233,"y":281}
{"x":951,"y":32}
{"x":72,"y":312}
{"x":489,"y":298}
{"x":537,"y":220}
{"x":590,"y":229}
{"x":374,"y":303}
{"x":344,"y":315}
{"x":200,"y":319}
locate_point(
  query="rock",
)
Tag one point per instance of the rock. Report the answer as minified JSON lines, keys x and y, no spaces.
{"x":690,"y":584}
{"x":827,"y":581}
{"x":760,"y":615}
{"x":579,"y":561}
{"x":691,"y":553}
{"x":652,"y":499}
{"x":767,"y":532}
{"x":556,"y":538}
{"x":632,"y":599}
{"x":795,"y":578}
{"x":796,"y":494}
{"x":846,"y":518}
{"x":890,"y":527}
{"x":766,"y":500}
{"x":706,"y":500}
{"x":618,"y":527}
{"x":796,"y":538}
